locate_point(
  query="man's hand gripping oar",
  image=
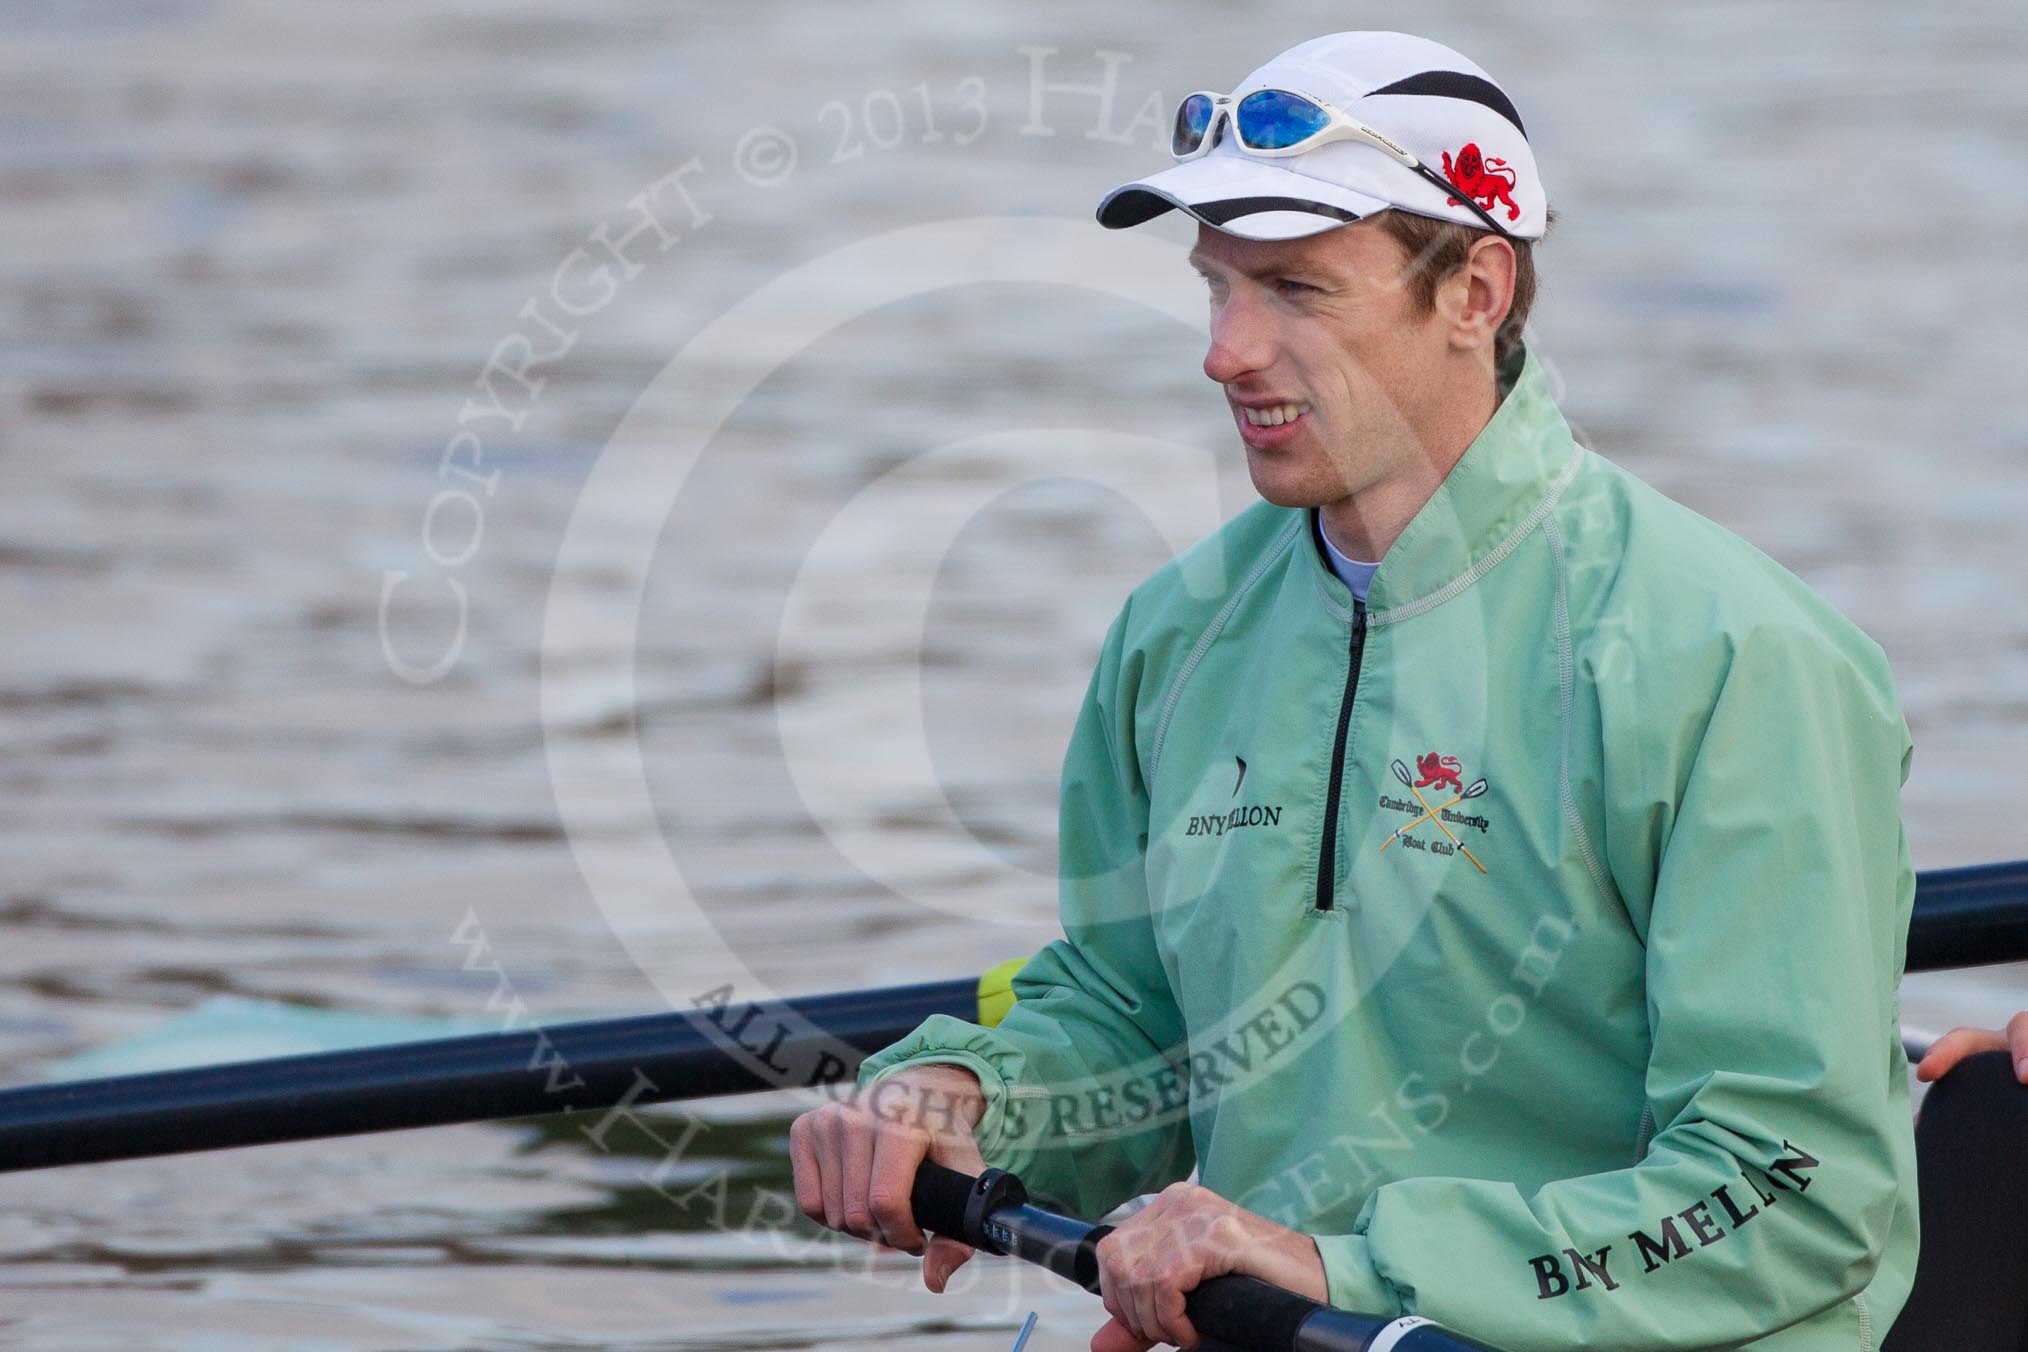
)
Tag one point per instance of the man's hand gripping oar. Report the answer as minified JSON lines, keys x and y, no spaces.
{"x":856,"y":1160}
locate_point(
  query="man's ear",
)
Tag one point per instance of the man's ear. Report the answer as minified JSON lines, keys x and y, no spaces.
{"x":1476,"y":298}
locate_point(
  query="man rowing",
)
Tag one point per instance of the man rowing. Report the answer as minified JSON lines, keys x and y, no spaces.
{"x":1614,"y":1063}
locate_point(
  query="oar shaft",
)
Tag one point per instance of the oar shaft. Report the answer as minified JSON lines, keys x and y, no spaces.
{"x":585,"y":1066}
{"x":1969,"y":917}
{"x":1964,"y":917}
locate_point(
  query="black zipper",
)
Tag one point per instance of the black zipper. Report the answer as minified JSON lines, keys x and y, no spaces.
{"x":1327,"y":852}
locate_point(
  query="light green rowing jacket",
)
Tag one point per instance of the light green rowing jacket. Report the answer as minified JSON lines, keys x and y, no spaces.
{"x":1529,"y":935}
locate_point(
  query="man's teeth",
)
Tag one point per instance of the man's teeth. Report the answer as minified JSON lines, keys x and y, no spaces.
{"x":1276,"y":416}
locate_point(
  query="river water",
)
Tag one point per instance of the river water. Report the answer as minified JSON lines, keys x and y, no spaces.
{"x":415,"y":609}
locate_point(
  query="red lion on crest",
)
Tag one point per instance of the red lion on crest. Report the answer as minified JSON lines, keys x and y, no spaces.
{"x":1482,"y":177}
{"x":1440,"y":771}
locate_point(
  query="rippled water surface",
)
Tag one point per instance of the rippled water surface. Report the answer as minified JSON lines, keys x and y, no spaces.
{"x":256,"y":260}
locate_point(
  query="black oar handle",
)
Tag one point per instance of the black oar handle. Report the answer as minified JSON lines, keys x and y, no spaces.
{"x":992,"y":1212}
{"x":1247,"y":1312}
{"x":955,"y":1205}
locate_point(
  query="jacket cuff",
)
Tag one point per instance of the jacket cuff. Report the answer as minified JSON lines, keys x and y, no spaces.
{"x":1351,"y":1279}
{"x":941,"y":1041}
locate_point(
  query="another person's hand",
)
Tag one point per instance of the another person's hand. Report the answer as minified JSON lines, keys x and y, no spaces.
{"x":855,"y":1161}
{"x":1188,"y":1235}
{"x":1959,"y":1043}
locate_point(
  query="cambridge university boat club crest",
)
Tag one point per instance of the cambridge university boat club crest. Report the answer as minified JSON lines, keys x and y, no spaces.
{"x":1437,"y":787}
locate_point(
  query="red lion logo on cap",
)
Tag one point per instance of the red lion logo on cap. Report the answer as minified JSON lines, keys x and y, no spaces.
{"x":1482,"y":177}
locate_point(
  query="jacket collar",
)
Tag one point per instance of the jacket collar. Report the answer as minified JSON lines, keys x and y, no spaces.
{"x":1498,"y":492}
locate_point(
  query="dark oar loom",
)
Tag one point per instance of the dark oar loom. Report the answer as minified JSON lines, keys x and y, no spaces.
{"x":1963,"y":917}
{"x":587,"y":1066}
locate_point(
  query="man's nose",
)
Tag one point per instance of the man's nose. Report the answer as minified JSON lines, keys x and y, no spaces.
{"x":1242,"y":340}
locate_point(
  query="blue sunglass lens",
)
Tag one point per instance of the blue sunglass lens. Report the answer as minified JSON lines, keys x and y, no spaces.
{"x":1273,"y":119}
{"x":1193,"y":116}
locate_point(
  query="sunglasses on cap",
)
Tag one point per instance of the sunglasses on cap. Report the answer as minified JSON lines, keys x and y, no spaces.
{"x":1275,"y":122}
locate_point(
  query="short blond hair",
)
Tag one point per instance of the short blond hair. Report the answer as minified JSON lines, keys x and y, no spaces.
{"x":1436,"y":249}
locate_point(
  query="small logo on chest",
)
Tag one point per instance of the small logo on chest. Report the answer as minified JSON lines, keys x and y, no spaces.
{"x":1234,"y":819}
{"x":1440,"y":778}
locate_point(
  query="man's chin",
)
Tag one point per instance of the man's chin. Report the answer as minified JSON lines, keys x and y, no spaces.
{"x":1283,"y":489}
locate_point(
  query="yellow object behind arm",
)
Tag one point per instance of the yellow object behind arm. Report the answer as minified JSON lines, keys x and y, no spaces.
{"x":996,"y":991}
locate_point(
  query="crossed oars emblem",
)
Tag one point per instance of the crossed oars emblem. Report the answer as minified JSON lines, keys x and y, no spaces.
{"x":1429,"y":814}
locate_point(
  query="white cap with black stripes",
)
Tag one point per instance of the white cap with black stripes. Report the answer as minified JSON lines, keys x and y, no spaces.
{"x":1431,"y":101}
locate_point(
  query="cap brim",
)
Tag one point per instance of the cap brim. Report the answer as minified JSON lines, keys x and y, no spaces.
{"x":1241,"y":195}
